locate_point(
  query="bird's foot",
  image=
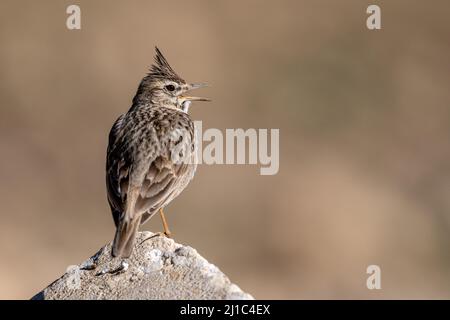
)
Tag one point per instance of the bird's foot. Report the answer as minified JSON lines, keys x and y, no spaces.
{"x":166,"y":234}
{"x":158,"y":234}
{"x":120,"y":269}
{"x":92,"y":262}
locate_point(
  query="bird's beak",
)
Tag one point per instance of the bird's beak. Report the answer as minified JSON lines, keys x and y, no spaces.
{"x":193,"y":86}
{"x":190,"y":98}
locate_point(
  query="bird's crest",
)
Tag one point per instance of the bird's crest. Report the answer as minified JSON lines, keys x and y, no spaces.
{"x":161,"y":69}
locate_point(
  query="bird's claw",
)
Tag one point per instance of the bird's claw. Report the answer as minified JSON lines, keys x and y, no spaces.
{"x":121,"y":268}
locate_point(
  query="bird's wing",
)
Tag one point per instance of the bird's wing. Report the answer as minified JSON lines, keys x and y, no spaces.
{"x":116,"y":171}
{"x":168,"y":173}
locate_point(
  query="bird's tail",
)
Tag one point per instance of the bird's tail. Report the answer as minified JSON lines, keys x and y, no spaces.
{"x":126,"y":232}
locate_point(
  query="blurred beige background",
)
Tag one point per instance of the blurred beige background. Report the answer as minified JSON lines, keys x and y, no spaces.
{"x":364,"y":120}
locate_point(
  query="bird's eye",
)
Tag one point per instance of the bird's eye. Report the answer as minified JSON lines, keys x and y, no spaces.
{"x":170,"y":87}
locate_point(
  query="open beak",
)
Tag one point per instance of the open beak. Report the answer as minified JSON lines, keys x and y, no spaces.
{"x":193,"y":86}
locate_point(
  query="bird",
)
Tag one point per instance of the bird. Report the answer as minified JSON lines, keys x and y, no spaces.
{"x":151,"y":155}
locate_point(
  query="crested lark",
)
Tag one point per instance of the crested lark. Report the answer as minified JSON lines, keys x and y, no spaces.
{"x":151,"y":153}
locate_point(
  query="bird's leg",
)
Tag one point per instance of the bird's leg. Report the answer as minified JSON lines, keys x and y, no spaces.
{"x":165,"y":225}
{"x":166,"y":232}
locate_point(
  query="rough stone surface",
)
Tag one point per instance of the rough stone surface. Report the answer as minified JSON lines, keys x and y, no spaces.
{"x":159,"y":268}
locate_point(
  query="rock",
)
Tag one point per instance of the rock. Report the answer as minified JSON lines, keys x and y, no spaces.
{"x":159,"y":268}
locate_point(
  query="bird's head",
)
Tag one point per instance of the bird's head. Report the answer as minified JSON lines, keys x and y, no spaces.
{"x":164,"y":87}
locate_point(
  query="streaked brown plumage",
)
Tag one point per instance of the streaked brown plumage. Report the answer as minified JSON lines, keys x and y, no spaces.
{"x":151,"y":152}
